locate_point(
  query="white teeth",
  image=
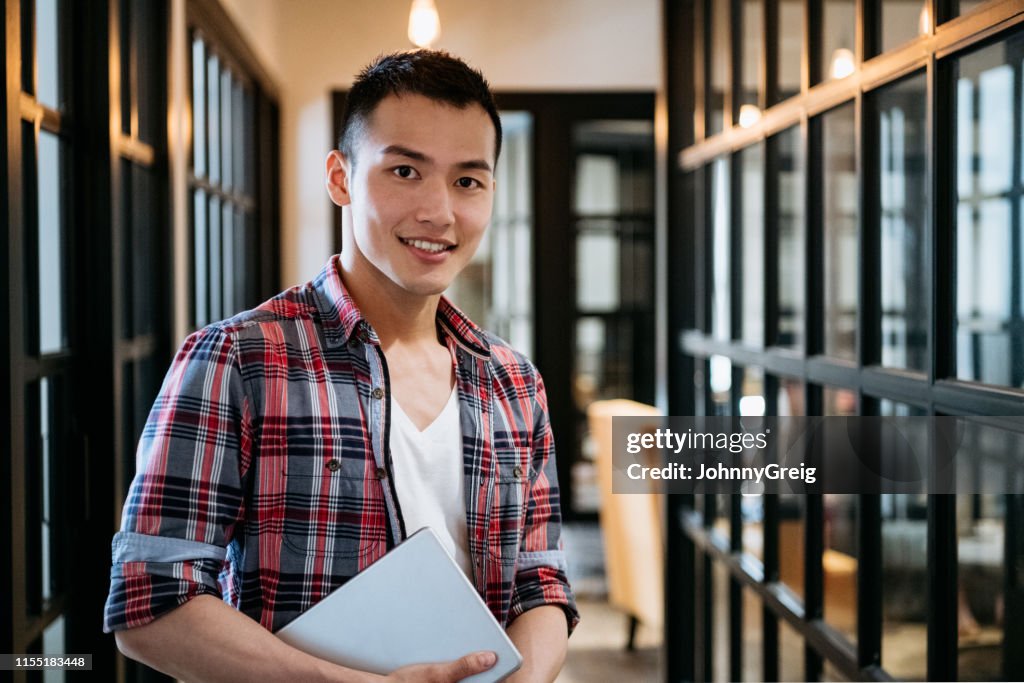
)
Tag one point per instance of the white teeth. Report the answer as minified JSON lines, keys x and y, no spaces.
{"x":432,"y":247}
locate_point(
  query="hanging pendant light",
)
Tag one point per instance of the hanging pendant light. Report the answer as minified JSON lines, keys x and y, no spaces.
{"x":424,"y":23}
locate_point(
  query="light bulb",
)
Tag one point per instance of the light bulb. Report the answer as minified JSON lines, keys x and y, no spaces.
{"x":424,"y":23}
{"x":749,"y":115}
{"x":842,"y":63}
{"x":924,"y":22}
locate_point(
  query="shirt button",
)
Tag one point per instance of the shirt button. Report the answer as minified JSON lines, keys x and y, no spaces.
{"x":334,"y":465}
{"x":377,"y":393}
{"x":382,"y":473}
{"x":517,"y":472}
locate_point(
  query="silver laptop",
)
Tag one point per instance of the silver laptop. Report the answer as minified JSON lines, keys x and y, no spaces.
{"x":412,"y":606}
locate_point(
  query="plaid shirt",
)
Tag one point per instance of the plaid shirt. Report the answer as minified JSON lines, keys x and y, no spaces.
{"x":264,"y":475}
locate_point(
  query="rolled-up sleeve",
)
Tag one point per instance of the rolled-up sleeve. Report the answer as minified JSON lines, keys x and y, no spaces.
{"x":541,"y":568}
{"x":186,"y":497}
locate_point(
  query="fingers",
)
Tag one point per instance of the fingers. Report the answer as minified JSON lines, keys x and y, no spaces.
{"x":470,"y":664}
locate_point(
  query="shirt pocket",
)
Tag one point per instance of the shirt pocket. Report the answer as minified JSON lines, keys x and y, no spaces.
{"x":510,"y":485}
{"x":334,"y":507}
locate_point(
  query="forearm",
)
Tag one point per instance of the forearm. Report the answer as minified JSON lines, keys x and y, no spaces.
{"x":206,"y":640}
{"x":541,"y":637}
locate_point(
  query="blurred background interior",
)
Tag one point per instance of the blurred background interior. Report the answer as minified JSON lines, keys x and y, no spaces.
{"x":720,"y":207}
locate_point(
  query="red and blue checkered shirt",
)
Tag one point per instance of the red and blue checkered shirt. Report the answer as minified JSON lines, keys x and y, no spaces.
{"x":264,"y":475}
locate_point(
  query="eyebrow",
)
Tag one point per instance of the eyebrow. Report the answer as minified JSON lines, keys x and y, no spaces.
{"x":399,"y":150}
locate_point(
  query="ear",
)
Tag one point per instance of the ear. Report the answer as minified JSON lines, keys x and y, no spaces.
{"x":338,"y":179}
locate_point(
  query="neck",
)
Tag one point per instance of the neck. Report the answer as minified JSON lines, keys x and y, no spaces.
{"x":395,"y":314}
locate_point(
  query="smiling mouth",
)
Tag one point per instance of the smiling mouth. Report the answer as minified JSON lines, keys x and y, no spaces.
{"x":432,"y":247}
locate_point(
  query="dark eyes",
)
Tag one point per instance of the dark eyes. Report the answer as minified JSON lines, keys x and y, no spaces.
{"x":405,"y":171}
{"x":410,"y":173}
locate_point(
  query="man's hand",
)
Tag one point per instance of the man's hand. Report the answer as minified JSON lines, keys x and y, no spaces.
{"x":446,"y":672}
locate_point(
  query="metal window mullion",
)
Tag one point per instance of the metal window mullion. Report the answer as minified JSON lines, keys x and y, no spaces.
{"x":769,"y":88}
{"x":735,"y":89}
{"x":770,"y":529}
{"x":735,"y":587}
{"x":1016,"y":303}
{"x":736,"y":249}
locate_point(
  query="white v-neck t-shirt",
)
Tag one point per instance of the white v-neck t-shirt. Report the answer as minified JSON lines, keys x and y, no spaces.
{"x":429,"y":479}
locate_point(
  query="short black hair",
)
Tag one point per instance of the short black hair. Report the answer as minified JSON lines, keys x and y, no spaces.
{"x":435,"y":74}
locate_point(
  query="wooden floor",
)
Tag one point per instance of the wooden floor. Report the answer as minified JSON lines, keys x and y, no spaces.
{"x":597,"y":649}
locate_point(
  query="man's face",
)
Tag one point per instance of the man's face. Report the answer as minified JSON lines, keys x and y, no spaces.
{"x":420,"y":192}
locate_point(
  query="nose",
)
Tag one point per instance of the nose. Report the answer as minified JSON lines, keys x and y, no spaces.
{"x":435,"y":203}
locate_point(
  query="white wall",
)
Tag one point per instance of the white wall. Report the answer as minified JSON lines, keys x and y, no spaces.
{"x":313,"y":46}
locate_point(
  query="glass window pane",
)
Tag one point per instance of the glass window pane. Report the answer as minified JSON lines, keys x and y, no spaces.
{"x":904,"y":571}
{"x":752,"y":245}
{"x":128,"y":256}
{"x":753,"y":61}
{"x":838,"y":23}
{"x":145,"y":25}
{"x":792,"y":245}
{"x":216,"y":261}
{"x":961,"y":7}
{"x":597,"y":281}
{"x":839,"y":561}
{"x":597,"y":184}
{"x":50,"y":208}
{"x":903,"y":20}
{"x":841,"y":232}
{"x":791,"y":653}
{"x":790,"y":47}
{"x":48,"y":66}
{"x":718,"y":55}
{"x":213,"y":115}
{"x":752,"y":403}
{"x":903,"y":202}
{"x":228,"y":131}
{"x":720,"y":248}
{"x":201,"y":260}
{"x":199,"y":107}
{"x":988,"y":320}
{"x":230,"y":262}
{"x":143,"y":225}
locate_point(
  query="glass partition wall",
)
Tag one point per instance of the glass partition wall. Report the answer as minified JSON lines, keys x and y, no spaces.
{"x":849,"y":177}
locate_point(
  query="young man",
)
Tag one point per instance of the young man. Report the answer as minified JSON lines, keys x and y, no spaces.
{"x":292,"y":445}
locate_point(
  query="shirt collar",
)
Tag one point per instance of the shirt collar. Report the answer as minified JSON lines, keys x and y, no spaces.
{"x":341,"y":317}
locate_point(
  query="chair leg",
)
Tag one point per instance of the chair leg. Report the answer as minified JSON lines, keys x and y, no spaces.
{"x":631,"y":641}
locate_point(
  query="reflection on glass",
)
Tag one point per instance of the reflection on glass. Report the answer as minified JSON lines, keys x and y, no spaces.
{"x":904,"y":571}
{"x":790,"y":47}
{"x":720,"y":243}
{"x":987,"y":319}
{"x":753,"y":52}
{"x":841,"y":232}
{"x":752,"y":245}
{"x":838,"y":23}
{"x":790,"y":220}
{"x":49,"y":205}
{"x":903,"y":20}
{"x":718,"y":56}
{"x":227,"y":136}
{"x":839,"y":561}
{"x":198,"y":108}
{"x":903,"y":199}
{"x":48,"y":67}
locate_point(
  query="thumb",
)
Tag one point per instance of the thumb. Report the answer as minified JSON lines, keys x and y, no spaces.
{"x":472,"y":664}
